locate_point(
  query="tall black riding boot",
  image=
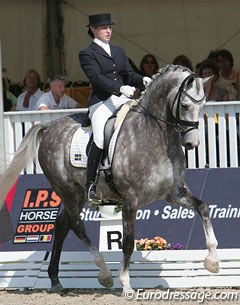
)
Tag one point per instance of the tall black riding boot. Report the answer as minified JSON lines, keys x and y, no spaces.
{"x":94,"y":159}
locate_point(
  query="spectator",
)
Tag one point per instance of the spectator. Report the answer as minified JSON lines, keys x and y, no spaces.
{"x":8,"y":97}
{"x":149,"y":65}
{"x":7,"y":103}
{"x":5,"y":75}
{"x":216,"y":89}
{"x":184,"y":61}
{"x":228,"y":72}
{"x":56,"y":98}
{"x":213,"y":55}
{"x":28,"y":99}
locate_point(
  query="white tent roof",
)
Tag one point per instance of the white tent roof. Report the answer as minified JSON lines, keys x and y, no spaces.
{"x":164,"y":28}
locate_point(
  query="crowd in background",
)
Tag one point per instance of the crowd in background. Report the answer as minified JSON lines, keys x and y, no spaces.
{"x":33,"y":94}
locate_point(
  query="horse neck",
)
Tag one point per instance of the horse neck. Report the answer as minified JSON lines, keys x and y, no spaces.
{"x":156,"y":104}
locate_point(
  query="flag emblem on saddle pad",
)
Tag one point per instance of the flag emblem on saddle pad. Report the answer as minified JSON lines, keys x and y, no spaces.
{"x":77,"y":157}
{"x":45,"y":238}
{"x":20,"y":239}
{"x":32,"y":238}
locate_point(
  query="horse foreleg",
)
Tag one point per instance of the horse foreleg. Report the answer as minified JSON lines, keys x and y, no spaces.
{"x":211,"y":262}
{"x":61,"y":231}
{"x":105,"y":275}
{"x":128,"y":247}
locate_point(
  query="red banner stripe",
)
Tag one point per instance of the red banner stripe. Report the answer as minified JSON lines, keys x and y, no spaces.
{"x":10,"y":196}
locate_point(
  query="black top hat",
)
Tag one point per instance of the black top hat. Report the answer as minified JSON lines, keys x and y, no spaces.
{"x":100,"y":19}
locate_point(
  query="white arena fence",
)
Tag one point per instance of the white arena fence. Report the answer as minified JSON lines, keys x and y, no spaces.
{"x":148,"y":269}
{"x":219,"y":148}
{"x":218,"y":133}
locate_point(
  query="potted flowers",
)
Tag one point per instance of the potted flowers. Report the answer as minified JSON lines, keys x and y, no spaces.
{"x":156,"y":243}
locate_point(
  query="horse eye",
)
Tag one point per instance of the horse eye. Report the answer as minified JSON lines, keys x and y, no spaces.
{"x":184,"y":106}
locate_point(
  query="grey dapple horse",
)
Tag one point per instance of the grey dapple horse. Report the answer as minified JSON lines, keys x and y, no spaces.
{"x":148,"y":165}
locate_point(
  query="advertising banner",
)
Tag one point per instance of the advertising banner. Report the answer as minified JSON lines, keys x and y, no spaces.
{"x":34,"y":207}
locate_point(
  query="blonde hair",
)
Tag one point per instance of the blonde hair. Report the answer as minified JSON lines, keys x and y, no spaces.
{"x":29,"y":71}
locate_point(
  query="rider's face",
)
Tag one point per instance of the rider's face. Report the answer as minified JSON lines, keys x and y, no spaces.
{"x":102,"y":32}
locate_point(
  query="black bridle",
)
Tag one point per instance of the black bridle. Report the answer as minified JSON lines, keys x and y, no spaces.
{"x":177,"y":123}
{"x":177,"y":120}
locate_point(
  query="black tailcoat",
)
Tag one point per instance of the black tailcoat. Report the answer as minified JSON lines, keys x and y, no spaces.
{"x":106,"y":73}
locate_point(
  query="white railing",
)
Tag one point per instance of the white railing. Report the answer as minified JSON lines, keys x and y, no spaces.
{"x":218,"y":131}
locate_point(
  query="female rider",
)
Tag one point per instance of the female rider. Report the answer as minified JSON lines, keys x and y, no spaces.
{"x":104,"y":65}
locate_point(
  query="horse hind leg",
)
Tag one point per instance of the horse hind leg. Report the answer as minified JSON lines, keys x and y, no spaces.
{"x":211,"y":262}
{"x":62,"y":228}
{"x":105,"y":275}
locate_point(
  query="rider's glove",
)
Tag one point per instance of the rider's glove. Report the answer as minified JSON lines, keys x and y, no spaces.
{"x":128,"y":91}
{"x":146,"y":81}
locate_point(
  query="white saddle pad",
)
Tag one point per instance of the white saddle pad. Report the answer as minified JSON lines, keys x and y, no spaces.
{"x":78,"y":157}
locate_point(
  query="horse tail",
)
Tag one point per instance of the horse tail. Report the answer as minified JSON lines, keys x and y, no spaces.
{"x":25,"y":154}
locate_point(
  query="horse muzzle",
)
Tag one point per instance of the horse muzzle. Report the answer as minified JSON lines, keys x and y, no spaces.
{"x":190,"y":139}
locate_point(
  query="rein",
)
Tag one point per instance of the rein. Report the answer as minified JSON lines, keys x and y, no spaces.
{"x":178,"y":123}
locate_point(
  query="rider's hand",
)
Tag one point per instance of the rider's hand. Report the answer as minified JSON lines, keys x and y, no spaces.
{"x":146,"y":81}
{"x":128,"y":91}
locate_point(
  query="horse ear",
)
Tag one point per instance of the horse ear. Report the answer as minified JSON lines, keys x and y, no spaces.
{"x":206,"y":79}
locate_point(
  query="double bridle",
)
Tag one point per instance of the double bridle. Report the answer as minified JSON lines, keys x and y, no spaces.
{"x":177,"y":123}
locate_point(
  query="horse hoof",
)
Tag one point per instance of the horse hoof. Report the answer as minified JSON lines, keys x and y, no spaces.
{"x":211,"y":266}
{"x":56,"y":288}
{"x":105,"y":279}
{"x":128,"y":293}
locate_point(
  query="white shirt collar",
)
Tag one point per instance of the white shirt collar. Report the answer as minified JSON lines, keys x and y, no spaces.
{"x":103,"y":45}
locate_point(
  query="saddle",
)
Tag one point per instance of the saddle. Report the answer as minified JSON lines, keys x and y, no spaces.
{"x":112,"y":124}
{"x":83,"y":137}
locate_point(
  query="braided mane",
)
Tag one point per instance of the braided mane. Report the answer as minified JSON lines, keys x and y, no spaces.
{"x":170,"y":68}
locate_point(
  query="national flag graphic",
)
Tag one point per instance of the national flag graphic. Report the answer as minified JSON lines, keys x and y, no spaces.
{"x":77,"y":157}
{"x":45,"y":238}
{"x":20,"y":239}
{"x":32,"y":238}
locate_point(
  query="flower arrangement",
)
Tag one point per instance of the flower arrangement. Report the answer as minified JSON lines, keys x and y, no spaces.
{"x":156,"y":243}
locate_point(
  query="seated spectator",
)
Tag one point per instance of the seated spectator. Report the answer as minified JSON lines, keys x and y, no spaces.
{"x":28,"y":99}
{"x":9,"y":99}
{"x":216,"y":89}
{"x":149,"y":65}
{"x":56,"y":98}
{"x":5,"y":75}
{"x":7,"y":104}
{"x":16,"y":89}
{"x":213,"y":55}
{"x":184,"y":61}
{"x":227,"y":72}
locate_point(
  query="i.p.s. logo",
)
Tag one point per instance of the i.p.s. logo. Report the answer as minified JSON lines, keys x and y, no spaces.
{"x":37,"y":218}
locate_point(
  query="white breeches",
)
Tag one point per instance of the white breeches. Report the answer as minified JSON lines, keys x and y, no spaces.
{"x":100,"y":115}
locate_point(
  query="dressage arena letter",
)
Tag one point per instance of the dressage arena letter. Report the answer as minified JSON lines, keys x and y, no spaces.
{"x":110,"y":238}
{"x":114,"y":237}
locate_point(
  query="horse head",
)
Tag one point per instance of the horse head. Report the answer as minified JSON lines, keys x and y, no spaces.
{"x":182,"y":92}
